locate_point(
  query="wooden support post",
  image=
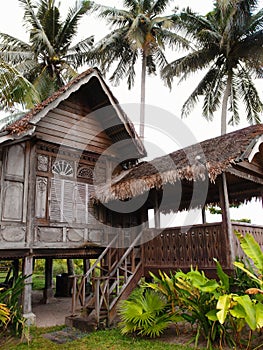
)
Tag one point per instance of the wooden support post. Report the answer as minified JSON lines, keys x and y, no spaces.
{"x":86,"y":265}
{"x":27,"y":293}
{"x":48,"y":290}
{"x":203,"y":215}
{"x":226,"y":221}
{"x":30,"y":221}
{"x":157,"y":217}
{"x":16,"y":268}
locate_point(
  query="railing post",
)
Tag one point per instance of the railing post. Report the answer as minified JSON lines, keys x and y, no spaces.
{"x":97,"y":300}
{"x":74,"y":292}
{"x":83,"y":296}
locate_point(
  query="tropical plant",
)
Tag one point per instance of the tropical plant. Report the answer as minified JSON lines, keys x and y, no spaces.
{"x":15,"y":89}
{"x":253,"y":251}
{"x":198,"y":297}
{"x":49,"y":60}
{"x":4,"y":313}
{"x":165,"y":285}
{"x":140,"y":31}
{"x":146,"y":313}
{"x":229,"y":48}
{"x":11,"y":297}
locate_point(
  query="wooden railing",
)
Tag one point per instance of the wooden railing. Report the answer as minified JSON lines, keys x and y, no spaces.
{"x":109,"y":288}
{"x":114,"y":274}
{"x":179,"y":248}
{"x":255,"y":230}
{"x":79,"y":282}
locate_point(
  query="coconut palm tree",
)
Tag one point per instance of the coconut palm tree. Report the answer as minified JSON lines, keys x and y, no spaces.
{"x":229,"y":47}
{"x":140,"y":31}
{"x":15,"y":89}
{"x":48,"y":60}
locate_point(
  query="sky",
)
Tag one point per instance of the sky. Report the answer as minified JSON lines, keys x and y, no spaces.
{"x":159,"y":99}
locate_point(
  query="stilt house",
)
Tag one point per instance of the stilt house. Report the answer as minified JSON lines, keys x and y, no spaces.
{"x":73,"y":186}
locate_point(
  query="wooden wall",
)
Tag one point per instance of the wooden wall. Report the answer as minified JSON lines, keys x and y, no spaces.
{"x":72,"y":124}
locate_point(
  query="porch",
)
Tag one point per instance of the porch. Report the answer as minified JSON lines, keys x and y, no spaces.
{"x":181,"y":247}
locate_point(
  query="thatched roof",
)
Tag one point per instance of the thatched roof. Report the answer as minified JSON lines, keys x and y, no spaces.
{"x":209,"y":158}
{"x":24,"y":125}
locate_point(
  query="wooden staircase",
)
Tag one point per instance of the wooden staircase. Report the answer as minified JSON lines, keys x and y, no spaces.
{"x":111,"y":278}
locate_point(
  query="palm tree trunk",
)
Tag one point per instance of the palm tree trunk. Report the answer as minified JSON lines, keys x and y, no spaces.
{"x":142,"y":107}
{"x":225,"y":103}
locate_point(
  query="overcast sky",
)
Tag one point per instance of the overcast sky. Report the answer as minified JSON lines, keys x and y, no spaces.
{"x":162,"y":103}
{"x":157,"y":94}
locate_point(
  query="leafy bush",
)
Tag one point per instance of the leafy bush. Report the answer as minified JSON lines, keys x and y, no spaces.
{"x":11,"y":297}
{"x":145,"y":312}
{"x":218,"y":309}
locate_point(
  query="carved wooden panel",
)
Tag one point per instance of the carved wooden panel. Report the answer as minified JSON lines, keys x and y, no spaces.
{"x":12,"y":234}
{"x":15,"y":161}
{"x":41,"y":197}
{"x":49,"y":234}
{"x":75,"y":235}
{"x":12,"y":201}
{"x":42,"y":162}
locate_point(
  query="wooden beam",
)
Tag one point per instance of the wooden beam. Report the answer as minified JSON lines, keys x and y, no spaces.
{"x":226,"y":221}
{"x":247,"y":171}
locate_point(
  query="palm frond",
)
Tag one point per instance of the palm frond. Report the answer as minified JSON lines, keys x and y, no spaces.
{"x":188,"y":64}
{"x":159,"y":58}
{"x":69,"y":27}
{"x":115,"y":17}
{"x":233,"y":101}
{"x":250,"y":96}
{"x":44,"y":84}
{"x":15,"y":88}
{"x":159,"y":6}
{"x":203,"y":88}
{"x":67,"y":72}
{"x":215,"y":87}
{"x":78,"y":54}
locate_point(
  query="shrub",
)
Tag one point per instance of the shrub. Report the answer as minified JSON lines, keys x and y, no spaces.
{"x":146,"y":313}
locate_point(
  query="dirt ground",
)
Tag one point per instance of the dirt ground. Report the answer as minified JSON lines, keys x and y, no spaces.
{"x":52,"y":314}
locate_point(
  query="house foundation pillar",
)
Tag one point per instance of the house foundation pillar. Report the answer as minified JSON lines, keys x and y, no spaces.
{"x":27,"y":293}
{"x":48,"y":293}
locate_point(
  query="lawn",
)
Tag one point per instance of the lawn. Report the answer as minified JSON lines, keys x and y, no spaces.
{"x":100,"y":340}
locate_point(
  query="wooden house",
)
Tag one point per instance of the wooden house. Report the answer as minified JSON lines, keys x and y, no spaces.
{"x":220,"y":171}
{"x":48,"y":160}
{"x":73,"y":186}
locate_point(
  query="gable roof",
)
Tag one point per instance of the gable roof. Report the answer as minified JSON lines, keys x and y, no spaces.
{"x":25,"y":125}
{"x":193,"y":163}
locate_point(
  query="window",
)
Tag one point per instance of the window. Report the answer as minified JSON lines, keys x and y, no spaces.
{"x":69,"y":201}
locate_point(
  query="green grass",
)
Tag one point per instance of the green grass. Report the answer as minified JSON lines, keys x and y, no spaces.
{"x":100,"y":340}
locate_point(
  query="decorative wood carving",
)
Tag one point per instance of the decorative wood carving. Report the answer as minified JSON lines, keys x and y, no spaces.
{"x":75,"y":235}
{"x":85,"y":172}
{"x":62,"y":167}
{"x":41,"y":197}
{"x":42,"y":163}
{"x":12,"y":233}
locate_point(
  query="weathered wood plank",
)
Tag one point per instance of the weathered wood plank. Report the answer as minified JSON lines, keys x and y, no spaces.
{"x":76,"y":132}
{"x":82,"y":126}
{"x":72,"y":143}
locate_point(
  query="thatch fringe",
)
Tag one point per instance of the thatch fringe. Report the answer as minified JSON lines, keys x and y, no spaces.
{"x":198,"y":162}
